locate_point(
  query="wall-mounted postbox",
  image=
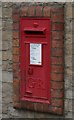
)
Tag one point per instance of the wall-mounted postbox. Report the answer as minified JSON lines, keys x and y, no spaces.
{"x":35,"y":59}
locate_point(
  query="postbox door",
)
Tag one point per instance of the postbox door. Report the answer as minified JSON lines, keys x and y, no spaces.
{"x":36,"y":72}
{"x":36,"y":69}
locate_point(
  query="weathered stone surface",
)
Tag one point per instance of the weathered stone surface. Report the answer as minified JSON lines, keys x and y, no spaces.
{"x":4,"y":108}
{"x":0,"y":116}
{"x":0,"y":46}
{"x":6,"y":97}
{"x":10,"y":45}
{"x":73,"y":26}
{"x":9,"y":66}
{"x":0,"y":91}
{"x":0,"y":74}
{"x":20,"y":113}
{"x":68,"y":105}
{"x":68,"y":37}
{"x":68,"y":93}
{"x":7,"y":90}
{"x":0,"y":11}
{"x":68,"y":26}
{"x":4,"y":65}
{"x":68,"y":71}
{"x":68,"y":49}
{"x":6,"y":35}
{"x":7,"y":4}
{"x":72,"y":92}
{"x":68,"y":60}
{"x":10,"y":55}
{"x":5,"y":115}
{"x":7,"y":77}
{"x":0,"y":108}
{"x":46,"y":115}
{"x":4,"y":45}
{"x":7,"y":25}
{"x":69,"y":115}
{"x":4,"y":55}
{"x":72,"y":11}
{"x":0,"y":55}
{"x":7,"y":12}
{"x":68,"y":83}
{"x":68,"y":11}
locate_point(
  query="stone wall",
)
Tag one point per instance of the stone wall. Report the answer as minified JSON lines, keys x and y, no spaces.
{"x":72,"y":60}
{"x":68,"y":59}
{"x":7,"y":57}
{"x":0,"y":60}
{"x":7,"y":87}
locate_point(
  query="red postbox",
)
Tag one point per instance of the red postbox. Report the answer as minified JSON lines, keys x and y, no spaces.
{"x":35,"y":59}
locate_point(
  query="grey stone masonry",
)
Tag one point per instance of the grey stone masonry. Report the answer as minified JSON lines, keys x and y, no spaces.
{"x":68,"y":60}
{"x":0,"y":60}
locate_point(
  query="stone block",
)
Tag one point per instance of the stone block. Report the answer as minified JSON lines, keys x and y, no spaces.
{"x":4,"y":108}
{"x":4,"y":45}
{"x":7,"y":13}
{"x":68,"y":41}
{"x":20,"y":113}
{"x":0,"y":3}
{"x":0,"y":108}
{"x":6,"y":93}
{"x":70,"y":105}
{"x":7,"y":88}
{"x":73,"y":80}
{"x":69,"y":115}
{"x":68,"y":81}
{"x":41,"y":115}
{"x":9,"y":68}
{"x":68,"y":37}
{"x":5,"y":115}
{"x":68,"y":10}
{"x":73,"y":50}
{"x":68,"y":49}
{"x":66,"y":105}
{"x":0,"y":45}
{"x":0,"y":11}
{"x":7,"y":25}
{"x":6,"y":35}
{"x":9,"y":55}
{"x":0,"y":55}
{"x":68,"y":71}
{"x":73,"y":26}
{"x":0,"y":116}
{"x":68,"y":26}
{"x":0,"y":91}
{"x":1,"y":75}
{"x":73,"y":93}
{"x":7,"y":4}
{"x":1,"y":23}
{"x":4,"y":55}
{"x":7,"y":77}
{"x":10,"y":45}
{"x":68,"y":60}
{"x":72,"y":11}
{"x":4,"y":65}
{"x":68,"y":93}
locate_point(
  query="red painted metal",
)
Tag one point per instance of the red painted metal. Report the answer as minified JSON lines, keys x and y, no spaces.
{"x":35,"y":79}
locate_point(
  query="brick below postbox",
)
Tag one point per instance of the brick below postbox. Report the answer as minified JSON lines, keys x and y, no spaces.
{"x":56,"y":72}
